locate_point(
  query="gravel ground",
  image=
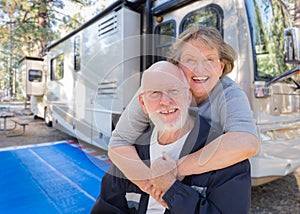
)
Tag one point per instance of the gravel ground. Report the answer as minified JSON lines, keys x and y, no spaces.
{"x":281,"y":196}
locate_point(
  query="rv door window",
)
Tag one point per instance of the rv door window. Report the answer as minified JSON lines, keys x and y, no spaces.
{"x":77,"y":59}
{"x":35,"y":76}
{"x":57,"y":67}
{"x":210,"y":15}
{"x":166,"y":33}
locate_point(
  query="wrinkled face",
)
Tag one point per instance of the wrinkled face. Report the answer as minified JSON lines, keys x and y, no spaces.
{"x":166,"y":99}
{"x":202,"y":67}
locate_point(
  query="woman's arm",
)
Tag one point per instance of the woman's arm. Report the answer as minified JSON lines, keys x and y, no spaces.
{"x":122,"y":153}
{"x":128,"y":161}
{"x":226,"y":150}
{"x":229,"y":106}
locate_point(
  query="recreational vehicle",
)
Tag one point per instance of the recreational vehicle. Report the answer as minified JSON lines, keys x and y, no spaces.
{"x":92,"y":73}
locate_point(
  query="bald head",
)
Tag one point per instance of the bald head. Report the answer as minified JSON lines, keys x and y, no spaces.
{"x":162,"y":75}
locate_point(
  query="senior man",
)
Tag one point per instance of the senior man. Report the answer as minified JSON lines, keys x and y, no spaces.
{"x":175,"y":132}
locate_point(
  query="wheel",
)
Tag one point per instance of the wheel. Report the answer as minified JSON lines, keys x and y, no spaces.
{"x":47,"y":117}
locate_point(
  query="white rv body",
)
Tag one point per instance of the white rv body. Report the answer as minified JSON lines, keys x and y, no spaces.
{"x":83,"y":100}
{"x":33,"y":84}
{"x":93,"y":72}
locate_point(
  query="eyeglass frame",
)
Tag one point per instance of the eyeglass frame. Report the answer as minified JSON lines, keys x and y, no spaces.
{"x":207,"y":63}
{"x":165,"y":91}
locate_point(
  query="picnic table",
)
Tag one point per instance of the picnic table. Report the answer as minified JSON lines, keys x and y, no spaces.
{"x":5,"y":115}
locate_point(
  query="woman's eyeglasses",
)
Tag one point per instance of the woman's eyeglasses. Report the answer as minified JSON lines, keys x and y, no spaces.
{"x":192,"y":63}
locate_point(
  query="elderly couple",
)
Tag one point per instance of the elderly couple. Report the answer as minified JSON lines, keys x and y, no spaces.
{"x":193,"y":155}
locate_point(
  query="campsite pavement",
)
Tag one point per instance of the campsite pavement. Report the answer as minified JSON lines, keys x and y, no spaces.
{"x":281,"y":196}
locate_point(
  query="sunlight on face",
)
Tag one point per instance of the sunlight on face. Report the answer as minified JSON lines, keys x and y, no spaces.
{"x":202,"y":67}
{"x":166,"y":97}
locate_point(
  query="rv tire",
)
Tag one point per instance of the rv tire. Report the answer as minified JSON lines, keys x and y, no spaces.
{"x":47,"y":117}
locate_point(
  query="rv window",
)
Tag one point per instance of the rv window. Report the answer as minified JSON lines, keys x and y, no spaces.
{"x":77,"y":53}
{"x":211,"y":15}
{"x":163,"y":41}
{"x":57,"y":67}
{"x":267,"y":20}
{"x":35,"y":76}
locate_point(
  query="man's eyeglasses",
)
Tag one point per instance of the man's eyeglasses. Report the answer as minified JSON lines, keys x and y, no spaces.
{"x":155,"y":95}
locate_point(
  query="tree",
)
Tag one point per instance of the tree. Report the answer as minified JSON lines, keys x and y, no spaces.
{"x":297,"y":16}
{"x":35,"y":22}
{"x":28,"y":26}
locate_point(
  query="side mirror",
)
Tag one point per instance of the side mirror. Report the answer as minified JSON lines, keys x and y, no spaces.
{"x":292,"y":45}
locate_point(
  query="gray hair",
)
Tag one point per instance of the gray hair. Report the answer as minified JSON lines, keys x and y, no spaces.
{"x":210,"y":37}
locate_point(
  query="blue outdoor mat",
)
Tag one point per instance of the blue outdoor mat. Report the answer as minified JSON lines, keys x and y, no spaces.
{"x":56,"y":178}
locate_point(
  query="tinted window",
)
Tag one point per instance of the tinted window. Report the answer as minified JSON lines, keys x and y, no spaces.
{"x":57,"y":67}
{"x":77,"y":59}
{"x":163,"y":42}
{"x":211,"y":15}
{"x":35,"y":76}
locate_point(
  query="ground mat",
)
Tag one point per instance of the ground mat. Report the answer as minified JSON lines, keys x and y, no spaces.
{"x":50,"y":178}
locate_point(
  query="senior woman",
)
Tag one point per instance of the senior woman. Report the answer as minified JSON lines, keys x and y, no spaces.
{"x":205,"y":59}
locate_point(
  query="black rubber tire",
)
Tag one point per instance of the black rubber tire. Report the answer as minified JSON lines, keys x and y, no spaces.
{"x":48,"y":122}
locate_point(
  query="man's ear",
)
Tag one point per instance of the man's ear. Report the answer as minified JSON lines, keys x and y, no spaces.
{"x":142,"y":103}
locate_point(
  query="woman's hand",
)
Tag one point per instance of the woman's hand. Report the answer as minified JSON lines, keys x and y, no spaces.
{"x":163,"y":173}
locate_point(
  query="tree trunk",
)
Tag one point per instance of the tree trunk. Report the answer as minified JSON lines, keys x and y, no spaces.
{"x":297,"y":14}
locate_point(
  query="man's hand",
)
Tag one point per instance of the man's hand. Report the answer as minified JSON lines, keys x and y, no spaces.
{"x":157,"y":195}
{"x":144,"y":185}
{"x":163,"y":173}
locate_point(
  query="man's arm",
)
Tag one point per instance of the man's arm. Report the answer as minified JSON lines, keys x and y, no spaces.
{"x":112,"y":197}
{"x":223,"y":191}
{"x":226,"y":150}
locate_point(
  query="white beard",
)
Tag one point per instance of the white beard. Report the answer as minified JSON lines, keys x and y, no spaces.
{"x":171,"y":126}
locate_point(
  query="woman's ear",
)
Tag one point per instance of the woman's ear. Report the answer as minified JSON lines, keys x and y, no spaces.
{"x":142,"y":103}
{"x":223,"y":63}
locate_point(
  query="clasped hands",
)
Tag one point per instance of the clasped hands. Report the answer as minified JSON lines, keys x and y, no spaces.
{"x":162,"y":174}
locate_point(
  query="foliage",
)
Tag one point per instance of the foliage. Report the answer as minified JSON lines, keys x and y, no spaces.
{"x":33,"y":24}
{"x":28,"y":26}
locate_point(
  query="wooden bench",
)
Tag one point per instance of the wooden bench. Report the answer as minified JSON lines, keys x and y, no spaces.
{"x":18,"y":121}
